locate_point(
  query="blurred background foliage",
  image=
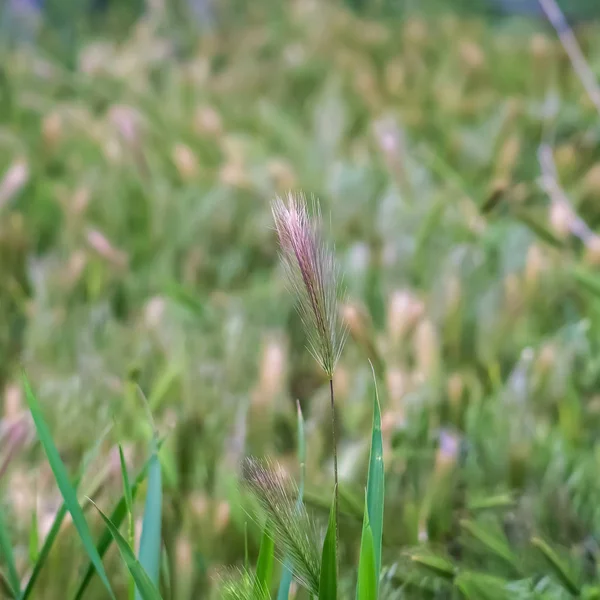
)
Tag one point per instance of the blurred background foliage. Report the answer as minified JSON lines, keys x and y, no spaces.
{"x":140,"y":147}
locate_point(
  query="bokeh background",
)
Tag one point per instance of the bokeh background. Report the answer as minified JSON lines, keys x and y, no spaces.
{"x":456,"y":156}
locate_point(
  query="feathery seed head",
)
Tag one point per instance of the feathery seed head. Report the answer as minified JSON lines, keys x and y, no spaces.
{"x":313,"y":277}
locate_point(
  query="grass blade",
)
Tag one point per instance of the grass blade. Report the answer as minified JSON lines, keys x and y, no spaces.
{"x":7,"y":553}
{"x":150,"y":542}
{"x":129,"y":506}
{"x":118,"y":514}
{"x":367,"y":573}
{"x":328,"y":580}
{"x":143,"y":583}
{"x":376,"y":480}
{"x":286,"y":578}
{"x":58,"y":519}
{"x":34,"y":542}
{"x":5,"y":587}
{"x":264,"y":567}
{"x":441,"y":567}
{"x":64,"y":485}
{"x":493,"y":542}
{"x":126,"y":485}
{"x":559,"y":568}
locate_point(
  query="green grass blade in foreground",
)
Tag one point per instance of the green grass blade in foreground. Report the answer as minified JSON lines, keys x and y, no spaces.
{"x":286,"y":578}
{"x":376,"y":480}
{"x":126,"y":485}
{"x":129,"y":506}
{"x":64,"y":485}
{"x":5,"y":587}
{"x":368,"y":576}
{"x":9,"y":559}
{"x":328,"y":581}
{"x":143,"y":583}
{"x":118,"y":514}
{"x":58,"y":520}
{"x":150,"y":542}
{"x":560,"y":569}
{"x":34,"y":540}
{"x":264,"y":567}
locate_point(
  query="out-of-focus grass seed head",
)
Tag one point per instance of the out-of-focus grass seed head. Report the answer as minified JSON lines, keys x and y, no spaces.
{"x":313,"y":277}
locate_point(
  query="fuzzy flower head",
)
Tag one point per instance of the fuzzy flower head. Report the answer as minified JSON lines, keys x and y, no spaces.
{"x":313,"y":277}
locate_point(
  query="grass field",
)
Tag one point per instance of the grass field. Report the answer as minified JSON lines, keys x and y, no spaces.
{"x":457,"y":162}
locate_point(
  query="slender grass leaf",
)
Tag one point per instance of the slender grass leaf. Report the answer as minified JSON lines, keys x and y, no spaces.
{"x":126,"y":485}
{"x":264,"y":567}
{"x":8,"y":556}
{"x":34,"y":542}
{"x":117,"y":516}
{"x":143,"y":583}
{"x":129,"y":505}
{"x":58,"y":520}
{"x":286,"y":578}
{"x":493,"y":542}
{"x":150,"y":543}
{"x":481,"y":586}
{"x":500,"y":501}
{"x":5,"y":587}
{"x":64,"y":485}
{"x":560,"y":569}
{"x":368,"y":576}
{"x":376,"y":480}
{"x":328,"y":579}
{"x":436,"y":564}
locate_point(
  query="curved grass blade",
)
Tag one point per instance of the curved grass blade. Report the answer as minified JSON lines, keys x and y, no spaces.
{"x":328,"y":580}
{"x":143,"y":583}
{"x":286,"y":578}
{"x":264,"y":567}
{"x":558,"y":566}
{"x":150,"y":542}
{"x":116,"y":517}
{"x":64,"y":485}
{"x":376,"y":480}
{"x":367,"y":574}
{"x":7,"y":553}
{"x":58,"y":520}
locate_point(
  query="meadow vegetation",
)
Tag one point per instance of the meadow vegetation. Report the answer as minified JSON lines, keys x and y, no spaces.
{"x":158,"y":388}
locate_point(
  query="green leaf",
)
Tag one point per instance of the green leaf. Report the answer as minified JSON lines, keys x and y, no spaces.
{"x":480,"y":586}
{"x":34,"y":542}
{"x":560,"y":569}
{"x":376,"y":480}
{"x":7,"y":553}
{"x":126,"y":485}
{"x":286,"y":578}
{"x":58,"y":519}
{"x":150,"y":542}
{"x":264,"y":567}
{"x":328,"y":580}
{"x":5,"y":587}
{"x":367,"y":573}
{"x":118,"y":514}
{"x":441,"y":567}
{"x":64,"y":485}
{"x":492,"y":541}
{"x":143,"y":583}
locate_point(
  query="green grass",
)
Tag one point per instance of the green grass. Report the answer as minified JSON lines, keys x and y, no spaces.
{"x":137,"y":248}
